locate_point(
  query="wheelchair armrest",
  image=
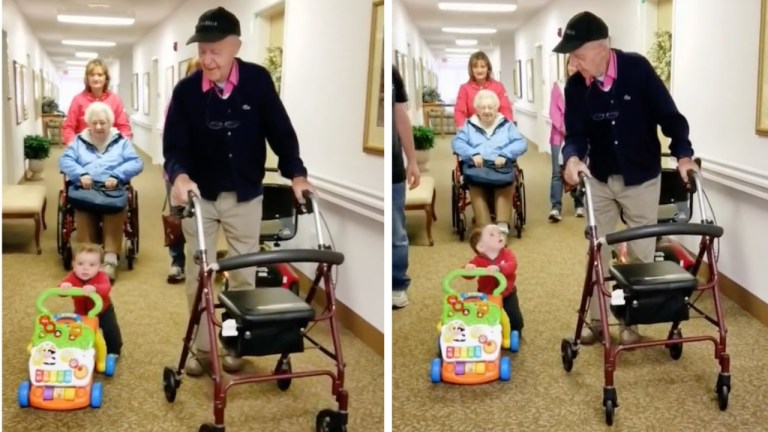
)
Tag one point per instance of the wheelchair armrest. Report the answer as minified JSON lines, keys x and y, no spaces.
{"x":660,"y":230}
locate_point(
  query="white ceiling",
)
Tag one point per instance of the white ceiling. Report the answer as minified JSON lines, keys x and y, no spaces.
{"x":429,"y":20}
{"x":41,"y":16}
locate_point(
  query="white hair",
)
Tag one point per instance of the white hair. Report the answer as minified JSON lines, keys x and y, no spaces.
{"x":97,"y":108}
{"x":484,"y":95}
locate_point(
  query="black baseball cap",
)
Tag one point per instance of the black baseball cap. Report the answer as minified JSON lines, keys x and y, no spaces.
{"x":214,"y":25}
{"x":582,"y":28}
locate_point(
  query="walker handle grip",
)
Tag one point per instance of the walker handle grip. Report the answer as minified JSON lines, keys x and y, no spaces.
{"x":474,"y":273}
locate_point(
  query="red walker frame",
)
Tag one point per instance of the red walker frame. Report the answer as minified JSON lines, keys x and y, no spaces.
{"x":708,"y":232}
{"x":327,"y":419}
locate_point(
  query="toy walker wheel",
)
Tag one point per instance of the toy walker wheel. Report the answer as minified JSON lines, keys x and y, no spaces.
{"x":505,"y":369}
{"x":111,"y":365}
{"x":208,"y":427}
{"x":283,"y":367}
{"x":329,"y":420}
{"x":567,"y":354}
{"x":170,"y":383}
{"x":609,"y":412}
{"x":514,"y":341}
{"x":24,"y":394}
{"x":96,"y":395}
{"x":436,"y":370}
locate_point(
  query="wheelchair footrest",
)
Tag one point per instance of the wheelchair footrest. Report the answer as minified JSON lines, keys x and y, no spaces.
{"x":269,"y":321}
{"x":656,"y":292}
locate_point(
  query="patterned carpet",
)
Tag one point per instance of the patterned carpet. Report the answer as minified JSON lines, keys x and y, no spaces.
{"x":655,"y":393}
{"x":153,"y":318}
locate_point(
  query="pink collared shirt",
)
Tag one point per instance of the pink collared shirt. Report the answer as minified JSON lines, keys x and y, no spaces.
{"x":610,"y":74}
{"x":229,"y":84}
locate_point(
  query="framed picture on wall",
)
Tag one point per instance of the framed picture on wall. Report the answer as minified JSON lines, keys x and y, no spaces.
{"x":183,"y":68}
{"x":529,"y":79}
{"x":554,"y":70}
{"x":24,"y":97}
{"x":562,"y":67}
{"x":135,"y":92}
{"x":518,"y":74}
{"x":169,"y":83}
{"x":18,"y":91}
{"x":761,"y":126}
{"x":145,"y":93}
{"x":373,"y":134}
{"x":36,"y":94}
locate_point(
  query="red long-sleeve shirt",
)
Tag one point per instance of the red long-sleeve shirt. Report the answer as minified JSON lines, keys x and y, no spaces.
{"x":506,"y":261}
{"x":83,"y":305}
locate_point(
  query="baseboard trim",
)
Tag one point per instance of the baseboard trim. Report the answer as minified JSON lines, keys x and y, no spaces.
{"x":348,"y":318}
{"x":740,"y":295}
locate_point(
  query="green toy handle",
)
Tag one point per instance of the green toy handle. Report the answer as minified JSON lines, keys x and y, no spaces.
{"x":474,"y":273}
{"x":70,"y":292}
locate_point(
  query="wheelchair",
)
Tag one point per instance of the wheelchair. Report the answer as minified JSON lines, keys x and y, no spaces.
{"x":265,"y":321}
{"x":659,"y":292}
{"x":65,"y":226}
{"x":460,"y":200}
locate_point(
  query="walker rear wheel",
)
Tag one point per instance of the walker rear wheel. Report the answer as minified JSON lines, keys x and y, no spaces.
{"x":567,"y":354}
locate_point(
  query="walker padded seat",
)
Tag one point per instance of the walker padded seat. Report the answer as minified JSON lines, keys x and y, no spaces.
{"x":654,"y":292}
{"x":269,"y":321}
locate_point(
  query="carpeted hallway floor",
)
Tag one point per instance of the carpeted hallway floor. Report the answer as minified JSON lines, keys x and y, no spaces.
{"x":153,"y":318}
{"x":655,"y":393}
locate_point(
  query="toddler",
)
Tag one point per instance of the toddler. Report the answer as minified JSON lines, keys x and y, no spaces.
{"x":492,"y":253}
{"x":86,"y":274}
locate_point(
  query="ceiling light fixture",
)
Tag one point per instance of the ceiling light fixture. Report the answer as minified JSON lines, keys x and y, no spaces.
{"x":466,"y":42}
{"x":86,"y":54}
{"x":469,"y":30}
{"x":89,"y":43}
{"x":77,"y":62}
{"x":477,"y":7}
{"x":460,"y":50}
{"x":96,"y":20}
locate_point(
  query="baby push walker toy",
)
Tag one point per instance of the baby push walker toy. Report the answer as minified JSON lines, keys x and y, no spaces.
{"x":659,"y":292}
{"x":65,"y":351}
{"x":473,"y":330}
{"x":263,"y":321}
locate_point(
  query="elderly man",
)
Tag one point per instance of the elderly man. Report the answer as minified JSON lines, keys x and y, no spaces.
{"x":214,"y":144}
{"x":612,"y":109}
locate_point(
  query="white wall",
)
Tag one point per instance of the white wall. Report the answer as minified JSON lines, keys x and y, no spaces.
{"x":21,"y":42}
{"x":722,"y":120}
{"x":624,"y":19}
{"x":404,"y":32}
{"x":321,"y":39}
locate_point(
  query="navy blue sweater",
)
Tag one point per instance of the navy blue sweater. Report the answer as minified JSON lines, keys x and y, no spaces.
{"x":232,"y":156}
{"x":617,"y":128}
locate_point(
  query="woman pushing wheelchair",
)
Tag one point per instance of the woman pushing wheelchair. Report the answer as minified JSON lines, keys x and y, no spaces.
{"x":98,"y":163}
{"x":488,"y":146}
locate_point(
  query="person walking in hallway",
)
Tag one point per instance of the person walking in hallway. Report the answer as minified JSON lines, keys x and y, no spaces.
{"x":613,"y":106}
{"x":219,"y":122}
{"x":402,"y":141}
{"x":480,"y":78}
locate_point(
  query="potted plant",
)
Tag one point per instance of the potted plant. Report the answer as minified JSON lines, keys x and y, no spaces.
{"x":274,"y":64}
{"x":50,"y":106}
{"x":430,"y":95}
{"x":660,"y":55}
{"x":424,"y":141}
{"x":37,"y":148}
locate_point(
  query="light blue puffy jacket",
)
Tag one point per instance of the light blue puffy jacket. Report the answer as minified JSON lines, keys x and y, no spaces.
{"x":505,"y":140}
{"x":119,"y":159}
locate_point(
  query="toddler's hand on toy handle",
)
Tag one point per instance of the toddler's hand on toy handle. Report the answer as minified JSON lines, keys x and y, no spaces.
{"x":470,"y":267}
{"x":65,"y":285}
{"x":493,"y":269}
{"x":88,"y":289}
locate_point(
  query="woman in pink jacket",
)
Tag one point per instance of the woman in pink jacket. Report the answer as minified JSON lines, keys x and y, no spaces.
{"x":556,"y":140}
{"x":480,"y":78}
{"x":96,"y":89}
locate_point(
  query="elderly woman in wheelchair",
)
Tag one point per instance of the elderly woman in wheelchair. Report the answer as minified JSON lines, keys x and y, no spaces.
{"x":97,"y":166}
{"x":488,"y":146}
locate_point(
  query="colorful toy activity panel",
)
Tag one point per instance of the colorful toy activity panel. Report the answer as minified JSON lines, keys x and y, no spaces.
{"x":471,"y":335}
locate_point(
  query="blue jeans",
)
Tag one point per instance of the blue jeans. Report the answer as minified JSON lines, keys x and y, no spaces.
{"x":556,"y":186}
{"x":400,"y":279}
{"x":178,"y":259}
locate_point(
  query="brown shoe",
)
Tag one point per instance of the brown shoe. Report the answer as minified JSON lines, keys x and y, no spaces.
{"x":629,"y":335}
{"x":591,"y":333}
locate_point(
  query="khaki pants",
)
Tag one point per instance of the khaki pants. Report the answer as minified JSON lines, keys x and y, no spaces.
{"x":111,"y":230}
{"x":502,"y":204}
{"x":640,"y":205}
{"x":241,"y":223}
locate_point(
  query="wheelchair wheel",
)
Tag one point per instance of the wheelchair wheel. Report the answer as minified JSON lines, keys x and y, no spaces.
{"x":520,"y":210}
{"x":135,"y":221}
{"x":61,"y":217}
{"x":132,"y":234}
{"x":454,"y":201}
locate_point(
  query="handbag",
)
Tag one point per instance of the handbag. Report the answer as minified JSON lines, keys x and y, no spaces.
{"x":98,"y":199}
{"x":489,"y":174}
{"x":172,"y":227}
